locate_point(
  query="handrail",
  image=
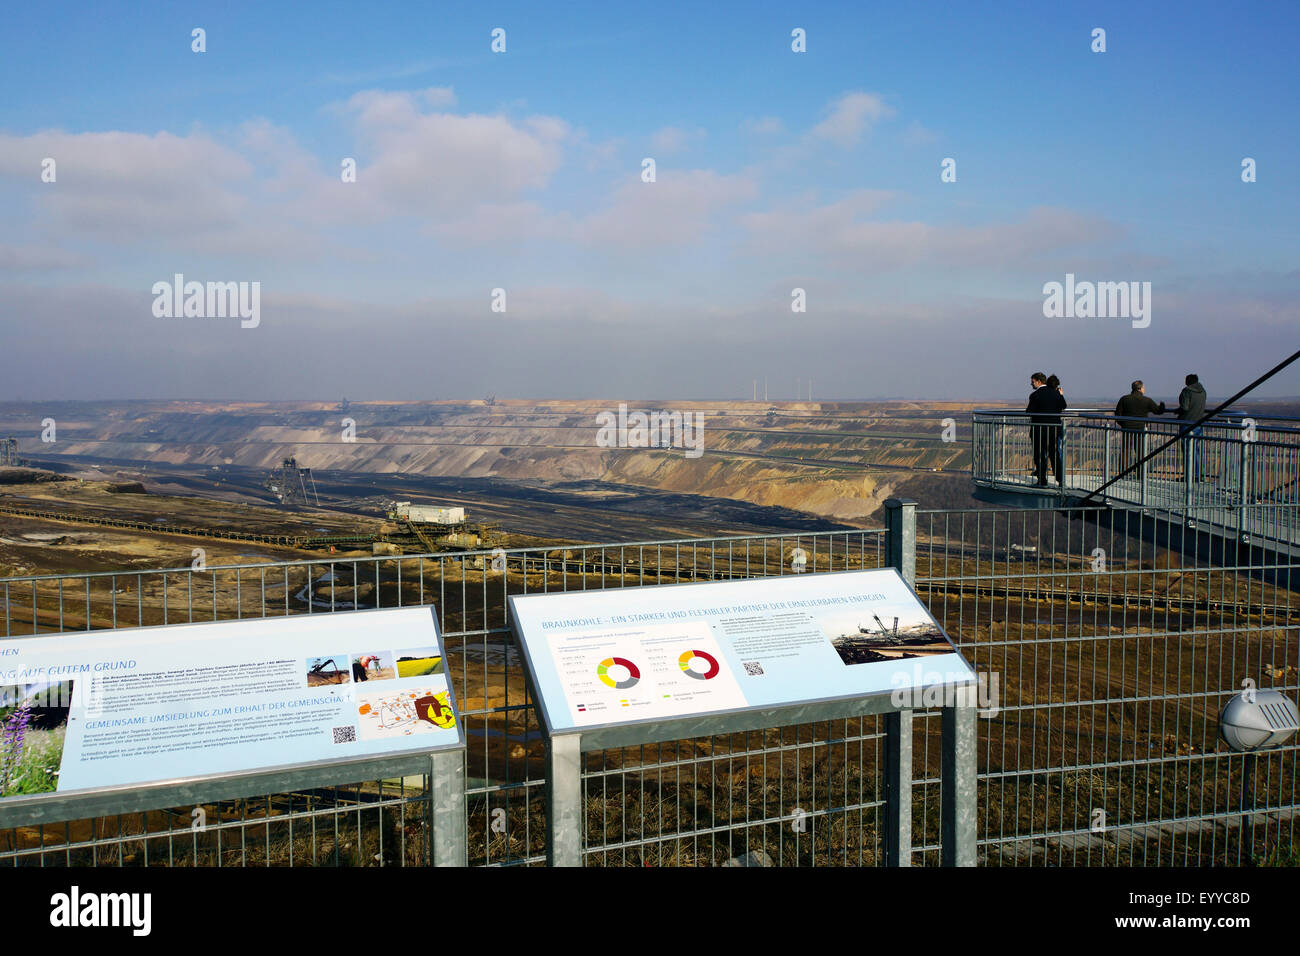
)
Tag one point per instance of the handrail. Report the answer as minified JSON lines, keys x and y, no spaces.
{"x":1021,"y":411}
{"x":1227,"y":419}
{"x":1219,"y":420}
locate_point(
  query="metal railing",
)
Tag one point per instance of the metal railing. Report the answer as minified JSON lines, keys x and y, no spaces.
{"x":1240,"y":474}
{"x":1103,"y":675}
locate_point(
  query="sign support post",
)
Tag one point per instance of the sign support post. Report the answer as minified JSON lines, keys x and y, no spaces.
{"x":958,"y":785}
{"x":447,"y":792}
{"x":564,"y":800}
{"x":898,"y":788}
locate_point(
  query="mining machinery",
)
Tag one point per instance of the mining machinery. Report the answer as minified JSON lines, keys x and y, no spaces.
{"x":293,"y":485}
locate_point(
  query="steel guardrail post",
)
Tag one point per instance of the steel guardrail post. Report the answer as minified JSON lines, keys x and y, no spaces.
{"x":1062,"y":445}
{"x":900,"y":536}
{"x":1143,"y":470}
{"x":1242,"y":475}
{"x":1105,"y":468}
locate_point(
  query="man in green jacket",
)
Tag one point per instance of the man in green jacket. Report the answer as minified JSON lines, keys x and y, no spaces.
{"x":1132,"y":411}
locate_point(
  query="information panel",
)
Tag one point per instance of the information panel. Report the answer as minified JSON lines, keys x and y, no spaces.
{"x":620,"y":656}
{"x":155,"y":704}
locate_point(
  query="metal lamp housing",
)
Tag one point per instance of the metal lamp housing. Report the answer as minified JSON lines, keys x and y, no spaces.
{"x":1256,"y":720}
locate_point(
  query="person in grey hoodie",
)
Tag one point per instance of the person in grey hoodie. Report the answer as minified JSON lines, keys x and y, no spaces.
{"x":1191,"y":406}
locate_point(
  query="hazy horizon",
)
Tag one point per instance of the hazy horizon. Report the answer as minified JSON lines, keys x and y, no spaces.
{"x":1104,"y":403}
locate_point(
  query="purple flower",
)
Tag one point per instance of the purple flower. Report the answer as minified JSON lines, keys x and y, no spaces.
{"x":12,"y":734}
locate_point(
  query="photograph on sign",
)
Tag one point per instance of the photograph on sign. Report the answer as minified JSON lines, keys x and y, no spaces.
{"x":651,"y":653}
{"x":155,"y":704}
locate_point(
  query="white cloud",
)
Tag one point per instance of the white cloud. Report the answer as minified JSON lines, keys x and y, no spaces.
{"x":549,"y":128}
{"x":255,"y":192}
{"x":673,"y":139}
{"x":850,"y":116}
{"x":918,"y":135}
{"x":594,"y":155}
{"x":802,"y":221}
{"x":439,"y":96}
{"x":841,"y":231}
{"x":679,"y":207}
{"x":435,"y":162}
{"x":124,"y":185}
{"x":466,"y":180}
{"x":502,"y":222}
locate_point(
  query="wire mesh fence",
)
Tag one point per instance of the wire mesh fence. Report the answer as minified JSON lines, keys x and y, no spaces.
{"x":1105,"y":656}
{"x":1113,"y":656}
{"x":376,"y":823}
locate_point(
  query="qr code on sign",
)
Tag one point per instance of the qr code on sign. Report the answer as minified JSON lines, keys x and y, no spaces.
{"x":753,"y":668}
{"x":345,"y":735}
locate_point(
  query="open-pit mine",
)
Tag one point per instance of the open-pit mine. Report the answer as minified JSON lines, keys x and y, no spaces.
{"x":135,"y":483}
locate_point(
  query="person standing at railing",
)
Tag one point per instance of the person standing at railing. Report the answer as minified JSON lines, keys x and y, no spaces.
{"x":1044,"y":408}
{"x":1057,"y":431}
{"x":1191,"y":406}
{"x":1132,"y":410}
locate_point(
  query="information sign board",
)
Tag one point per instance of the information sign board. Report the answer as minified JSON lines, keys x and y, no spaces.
{"x":662,"y":652}
{"x":123,"y":708}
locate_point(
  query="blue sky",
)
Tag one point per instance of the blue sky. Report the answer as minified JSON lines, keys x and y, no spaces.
{"x":775,"y":170}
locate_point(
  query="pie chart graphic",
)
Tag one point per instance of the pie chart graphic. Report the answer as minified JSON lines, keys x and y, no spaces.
{"x":698,"y":664}
{"x":619,"y":666}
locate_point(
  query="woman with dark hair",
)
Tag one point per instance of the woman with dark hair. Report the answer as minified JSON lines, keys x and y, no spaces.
{"x":1056,"y":431}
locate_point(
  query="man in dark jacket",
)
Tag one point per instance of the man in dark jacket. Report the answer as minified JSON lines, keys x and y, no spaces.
{"x":1044,"y":408}
{"x":1191,"y":406}
{"x":1191,"y":400}
{"x":1132,"y":411}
